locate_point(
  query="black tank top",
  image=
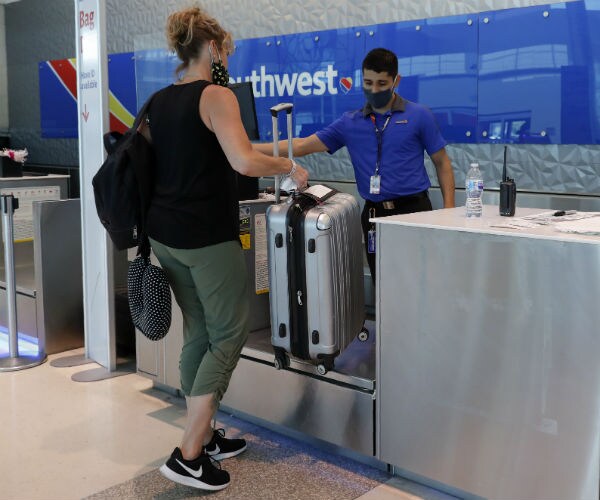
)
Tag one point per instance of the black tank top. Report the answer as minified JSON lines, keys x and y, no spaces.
{"x":195,"y":201}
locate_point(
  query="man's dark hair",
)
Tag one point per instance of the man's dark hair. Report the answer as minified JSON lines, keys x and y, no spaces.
{"x":381,"y":60}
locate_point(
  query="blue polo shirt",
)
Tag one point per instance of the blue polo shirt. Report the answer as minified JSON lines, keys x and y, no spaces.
{"x":412,"y":129}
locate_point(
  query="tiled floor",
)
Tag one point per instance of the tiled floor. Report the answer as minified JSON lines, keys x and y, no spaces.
{"x":66,"y":440}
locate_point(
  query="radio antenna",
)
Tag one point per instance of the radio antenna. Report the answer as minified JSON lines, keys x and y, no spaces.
{"x":504,"y":166}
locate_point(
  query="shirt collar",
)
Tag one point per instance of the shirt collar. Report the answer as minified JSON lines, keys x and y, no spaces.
{"x":397,"y":105}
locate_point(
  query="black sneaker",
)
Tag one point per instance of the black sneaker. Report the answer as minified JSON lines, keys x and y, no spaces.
{"x":198,"y":473}
{"x":220,"y":447}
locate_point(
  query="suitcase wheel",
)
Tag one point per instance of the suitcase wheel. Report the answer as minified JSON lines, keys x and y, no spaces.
{"x":281,"y":361}
{"x":363,"y":336}
{"x":325,"y":366}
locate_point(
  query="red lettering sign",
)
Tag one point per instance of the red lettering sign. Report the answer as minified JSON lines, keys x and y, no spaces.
{"x":86,"y":19}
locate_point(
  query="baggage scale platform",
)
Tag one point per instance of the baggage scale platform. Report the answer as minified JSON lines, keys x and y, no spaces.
{"x":338,"y":407}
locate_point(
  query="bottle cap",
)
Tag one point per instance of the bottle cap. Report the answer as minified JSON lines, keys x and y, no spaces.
{"x":475,"y":165}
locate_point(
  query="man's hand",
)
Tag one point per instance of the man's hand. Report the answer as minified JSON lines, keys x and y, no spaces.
{"x":445,"y":176}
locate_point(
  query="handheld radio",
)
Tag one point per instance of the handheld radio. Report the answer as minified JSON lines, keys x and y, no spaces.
{"x":508,"y":192}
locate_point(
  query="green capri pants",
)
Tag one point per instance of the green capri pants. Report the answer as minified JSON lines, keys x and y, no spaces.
{"x":210,"y":285}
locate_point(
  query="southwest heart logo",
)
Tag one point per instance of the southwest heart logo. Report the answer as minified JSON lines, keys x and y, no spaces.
{"x":346,"y":84}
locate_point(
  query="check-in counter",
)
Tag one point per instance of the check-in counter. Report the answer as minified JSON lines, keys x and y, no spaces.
{"x":487,"y":354}
{"x":47,"y":253}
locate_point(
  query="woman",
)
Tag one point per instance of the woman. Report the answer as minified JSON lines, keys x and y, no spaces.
{"x":193,"y":225}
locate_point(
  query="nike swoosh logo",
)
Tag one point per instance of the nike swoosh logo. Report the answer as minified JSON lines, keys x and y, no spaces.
{"x":195,"y":473}
{"x":216,"y":451}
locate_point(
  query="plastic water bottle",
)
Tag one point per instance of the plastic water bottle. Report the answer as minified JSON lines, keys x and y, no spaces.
{"x":474,"y":190}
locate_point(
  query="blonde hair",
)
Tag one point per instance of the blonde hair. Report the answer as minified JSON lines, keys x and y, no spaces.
{"x":189,"y":29}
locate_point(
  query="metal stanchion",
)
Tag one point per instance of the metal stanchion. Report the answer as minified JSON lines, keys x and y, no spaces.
{"x":13,"y":361}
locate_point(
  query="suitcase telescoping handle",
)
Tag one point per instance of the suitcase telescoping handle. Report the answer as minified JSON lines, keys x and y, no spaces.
{"x":275,"y":110}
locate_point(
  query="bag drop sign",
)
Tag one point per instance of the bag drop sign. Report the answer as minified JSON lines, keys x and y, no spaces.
{"x":86,"y":19}
{"x":87,"y":26}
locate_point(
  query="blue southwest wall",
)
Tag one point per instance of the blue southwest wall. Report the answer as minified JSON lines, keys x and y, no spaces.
{"x":527,"y":75}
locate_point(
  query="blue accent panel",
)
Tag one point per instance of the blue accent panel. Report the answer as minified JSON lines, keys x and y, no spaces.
{"x":442,"y":53}
{"x":525,"y":75}
{"x":318,"y":72}
{"x":437,"y":60}
{"x":326,"y":68}
{"x":27,"y":345}
{"x":538,"y":74}
{"x":154,"y":69}
{"x":121,"y":77}
{"x":58,"y":110}
{"x":257,"y":60}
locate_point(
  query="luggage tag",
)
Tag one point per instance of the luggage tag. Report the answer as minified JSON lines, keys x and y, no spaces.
{"x":371,"y":233}
{"x":288,"y":184}
{"x":375,"y":184}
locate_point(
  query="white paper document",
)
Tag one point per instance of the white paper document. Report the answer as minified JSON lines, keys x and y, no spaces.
{"x":516,"y":223}
{"x":590,"y":226}
{"x":559,"y":216}
{"x":556,"y":218}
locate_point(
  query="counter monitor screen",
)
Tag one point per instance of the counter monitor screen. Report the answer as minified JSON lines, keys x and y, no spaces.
{"x":245,"y":96}
{"x":247,"y":186}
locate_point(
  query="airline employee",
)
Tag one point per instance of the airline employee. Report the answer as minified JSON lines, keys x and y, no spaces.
{"x":386,"y":140}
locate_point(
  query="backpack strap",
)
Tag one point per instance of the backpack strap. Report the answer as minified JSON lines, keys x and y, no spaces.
{"x":111,"y":140}
{"x":144,"y":247}
{"x":144,"y":181}
{"x":142,"y":113}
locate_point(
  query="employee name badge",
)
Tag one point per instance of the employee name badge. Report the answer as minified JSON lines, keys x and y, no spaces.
{"x":375,"y":185}
{"x":371,"y":240}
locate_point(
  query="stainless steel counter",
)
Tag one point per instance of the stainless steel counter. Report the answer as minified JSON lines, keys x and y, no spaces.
{"x":488,"y":347}
{"x":48,"y":278}
{"x":337,"y":407}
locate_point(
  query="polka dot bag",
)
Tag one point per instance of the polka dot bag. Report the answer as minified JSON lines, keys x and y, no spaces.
{"x":149,"y":298}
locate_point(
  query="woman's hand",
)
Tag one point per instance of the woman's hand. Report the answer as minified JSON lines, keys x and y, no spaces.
{"x":300,"y":176}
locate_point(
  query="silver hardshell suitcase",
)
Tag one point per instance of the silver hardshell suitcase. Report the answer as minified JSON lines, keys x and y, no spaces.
{"x":316,"y":275}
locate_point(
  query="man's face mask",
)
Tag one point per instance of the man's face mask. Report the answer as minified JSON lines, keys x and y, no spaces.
{"x":379,"y":99}
{"x":220,"y":75}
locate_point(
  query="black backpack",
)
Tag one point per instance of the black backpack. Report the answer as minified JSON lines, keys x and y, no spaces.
{"x":123,"y":185}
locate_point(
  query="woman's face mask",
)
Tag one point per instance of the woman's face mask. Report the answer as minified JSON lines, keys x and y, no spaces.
{"x":220,"y":75}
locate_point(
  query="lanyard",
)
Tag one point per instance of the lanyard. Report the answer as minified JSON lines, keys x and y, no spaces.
{"x":379,"y":134}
